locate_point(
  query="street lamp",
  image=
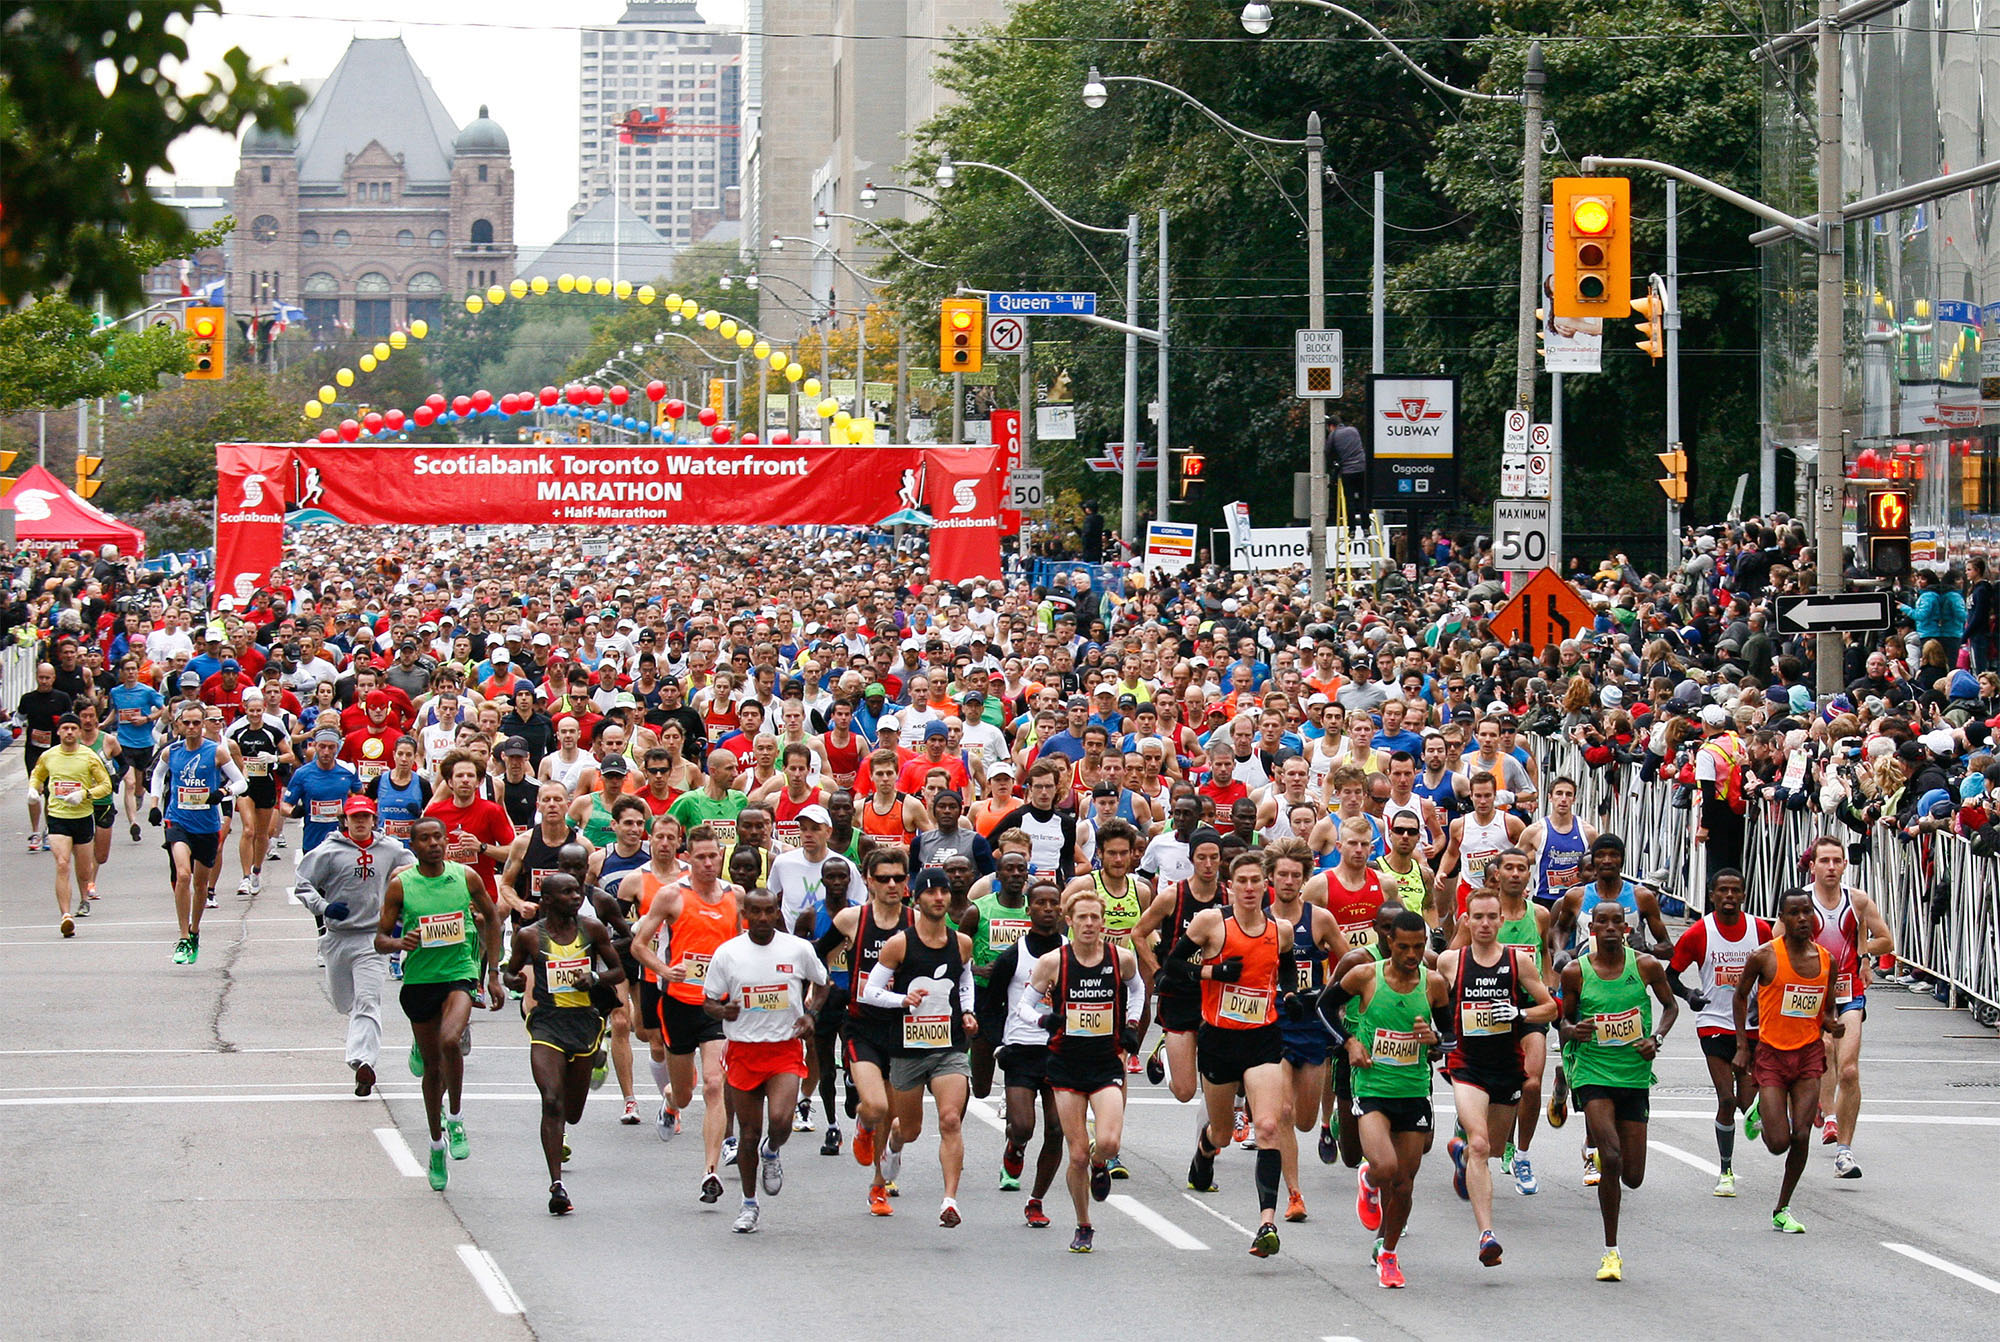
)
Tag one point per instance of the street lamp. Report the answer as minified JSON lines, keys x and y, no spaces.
{"x":820,"y":224}
{"x":1095,"y":95}
{"x":1256,"y":19}
{"x":946,"y":173}
{"x":868,"y":195}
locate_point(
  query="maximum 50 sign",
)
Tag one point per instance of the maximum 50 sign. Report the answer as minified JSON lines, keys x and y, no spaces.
{"x":1521,"y":535}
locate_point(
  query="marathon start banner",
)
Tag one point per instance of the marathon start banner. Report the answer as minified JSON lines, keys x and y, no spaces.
{"x":260,"y":487}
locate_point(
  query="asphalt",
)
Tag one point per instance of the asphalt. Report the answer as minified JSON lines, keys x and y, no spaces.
{"x":186,"y":1157}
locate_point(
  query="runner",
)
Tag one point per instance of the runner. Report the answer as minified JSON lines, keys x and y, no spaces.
{"x":1793,"y":980}
{"x":532,"y":854}
{"x":37,"y":713}
{"x":822,"y":1061}
{"x":996,"y":921}
{"x":1556,"y":844}
{"x":1610,"y":1039}
{"x":92,"y":737}
{"x":1126,"y":897}
{"x":872,"y":1031}
{"x":1720,"y":944}
{"x":193,"y":777}
{"x":1853,"y":931}
{"x":1023,"y":1055}
{"x":259,"y":747}
{"x":1317,"y":942}
{"x":767,"y":987}
{"x":1473,"y":839}
{"x":73,"y":780}
{"x":138,"y":709}
{"x":432,"y":903}
{"x":1162,"y":927}
{"x":342,"y":881}
{"x":1523,"y":924}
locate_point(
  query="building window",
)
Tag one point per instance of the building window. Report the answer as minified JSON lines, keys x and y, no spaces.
{"x":266,"y":170}
{"x":341,"y":238}
{"x":482,"y":232}
{"x":482,"y":172}
{"x":437,"y":238}
{"x":405,"y":238}
{"x":309,"y":238}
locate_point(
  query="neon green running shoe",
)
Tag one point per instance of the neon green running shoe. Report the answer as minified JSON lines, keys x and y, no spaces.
{"x":1753,"y":1120}
{"x":1725,"y":1187}
{"x":454,"y":1135}
{"x":440,"y":1172}
{"x":1507,"y":1157}
{"x":416,"y":1060}
{"x":181,"y":951}
{"x":1784,"y":1222}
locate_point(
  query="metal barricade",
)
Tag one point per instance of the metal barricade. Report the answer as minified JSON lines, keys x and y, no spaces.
{"x":17,"y":674}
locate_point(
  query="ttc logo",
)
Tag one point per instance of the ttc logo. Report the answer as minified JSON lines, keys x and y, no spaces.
{"x":1412,"y":409}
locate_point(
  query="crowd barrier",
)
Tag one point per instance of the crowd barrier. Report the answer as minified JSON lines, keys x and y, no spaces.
{"x":17,"y":674}
{"x":1045,"y":573}
{"x":1940,"y":899}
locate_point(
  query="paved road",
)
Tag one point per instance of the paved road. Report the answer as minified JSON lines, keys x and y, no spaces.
{"x":186,"y":1156}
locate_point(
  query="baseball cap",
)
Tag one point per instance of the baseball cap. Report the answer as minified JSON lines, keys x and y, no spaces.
{"x":994,"y":771}
{"x":971,"y":695}
{"x":873,"y":690}
{"x":231,"y":664}
{"x":1715,"y":715}
{"x":1940,"y":742}
{"x":889,"y":723}
{"x":1128,"y":701}
{"x":1079,"y":701}
{"x":936,"y":729}
{"x":515,"y":745}
{"x":358,"y":804}
{"x":614,"y":764}
{"x":190,"y":678}
{"x":817,"y":814}
{"x":543,"y":640}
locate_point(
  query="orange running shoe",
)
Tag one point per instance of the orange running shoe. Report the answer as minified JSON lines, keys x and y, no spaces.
{"x":1295,"y":1209}
{"x":878,"y":1201}
{"x":864,"y":1146}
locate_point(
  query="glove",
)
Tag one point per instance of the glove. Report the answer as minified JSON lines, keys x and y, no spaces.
{"x":1177,"y":976}
{"x":153,"y":817}
{"x":1297,"y":1006}
{"x":1128,"y":1039}
{"x":336,"y":912}
{"x":216,"y":798}
{"x":1227,"y":970}
{"x":1046,"y":1022}
{"x":1698,"y":999}
{"x":1505,"y":1012}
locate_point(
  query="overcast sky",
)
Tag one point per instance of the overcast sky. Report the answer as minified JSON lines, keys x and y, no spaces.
{"x":519,"y":57}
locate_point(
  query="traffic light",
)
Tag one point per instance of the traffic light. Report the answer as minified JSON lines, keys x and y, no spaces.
{"x":1651,"y":310}
{"x":1593,"y":246}
{"x":87,"y":482}
{"x":1889,"y":533}
{"x":961,"y":335}
{"x":1675,"y":483}
{"x":208,"y":340}
{"x":1194,"y":472}
{"x":7,"y":465}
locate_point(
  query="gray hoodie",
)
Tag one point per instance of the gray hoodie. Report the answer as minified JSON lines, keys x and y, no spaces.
{"x":339,"y":870}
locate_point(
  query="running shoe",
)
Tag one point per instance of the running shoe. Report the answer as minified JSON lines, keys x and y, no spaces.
{"x":440,"y":1171}
{"x":598,"y":1073}
{"x":1725,"y":1187}
{"x":948,"y":1216}
{"x":1131,"y":1069}
{"x":1507,"y":1154}
{"x":1201,"y":1169}
{"x":194,"y":947}
{"x":711,"y":1188}
{"x":1295,"y":1206}
{"x":1559,"y":1099}
{"x":1388,"y":1274}
{"x":1100,"y":1181}
{"x":1117,"y":1167}
{"x":892,"y":1163}
{"x":1489,"y":1249}
{"x":567,"y":1153}
{"x":243,"y":888}
{"x":1367,"y":1200}
{"x":68,"y":925}
{"x":1525,"y":1182}
{"x":1829,"y":1131}
{"x":864,"y":1146}
{"x":1266,"y":1243}
{"x":1753,"y":1118}
{"x":1456,"y":1150}
{"x":893,"y":1189}
{"x":208,"y":902}
{"x":1845,"y":1166}
{"x":1592,"y":1171}
{"x":396,"y":966}
{"x":1242,"y":1135}
{"x":803,"y":1121}
{"x":465,"y":1040}
{"x":746,"y":1220}
{"x":1037,"y":1218}
{"x":1080,"y":1242}
{"x":1156,"y":1063}
{"x":770,"y":1171}
{"x":1329,"y":1145}
{"x":1784,"y":1222}
{"x":135,"y":831}
{"x":256,"y":881}
{"x":667,"y":1122}
{"x":181,"y":951}
{"x":454,"y":1135}
{"x":34,"y":842}
{"x":1013,"y":1161}
{"x":1611,"y":1267}
{"x":1009,"y":1183}
{"x":630,"y":1116}
{"x":416,"y":1060}
{"x":878,"y":1201}
{"x":364,"y":1079}
{"x":1375,"y":1254}
{"x":829,"y":1145}
{"x":559,"y":1203}
{"x":83,"y":905}
{"x":729,"y":1150}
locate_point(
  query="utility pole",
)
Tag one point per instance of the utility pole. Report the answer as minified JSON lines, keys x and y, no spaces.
{"x":1378,"y":288}
{"x":1671,"y":320}
{"x":1831,"y":492}
{"x":1163,"y":470}
{"x":902,"y":383}
{"x":1128,"y":501}
{"x":1316,"y":320}
{"x":1532,"y":80}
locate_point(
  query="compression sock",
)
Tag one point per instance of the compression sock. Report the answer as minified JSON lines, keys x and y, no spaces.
{"x":1270,"y":1165}
{"x":660,"y":1078}
{"x":1725,"y":1142}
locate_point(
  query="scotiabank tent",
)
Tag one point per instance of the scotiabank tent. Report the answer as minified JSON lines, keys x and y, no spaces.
{"x":49,"y":512}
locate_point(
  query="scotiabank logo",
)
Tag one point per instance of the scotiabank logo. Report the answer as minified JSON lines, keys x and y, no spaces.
{"x":260,"y":501}
{"x":964,"y":497}
{"x":253,"y":491}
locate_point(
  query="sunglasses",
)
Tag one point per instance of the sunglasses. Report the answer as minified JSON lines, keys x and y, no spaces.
{"x":891,"y":878}
{"x":1404,"y":829}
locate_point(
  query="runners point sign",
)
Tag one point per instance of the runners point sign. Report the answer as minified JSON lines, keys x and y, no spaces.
{"x":261,"y":487}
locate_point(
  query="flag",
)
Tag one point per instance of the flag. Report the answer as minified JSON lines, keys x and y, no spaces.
{"x":210,"y":293}
{"x":186,"y":291}
{"x":283,"y":314}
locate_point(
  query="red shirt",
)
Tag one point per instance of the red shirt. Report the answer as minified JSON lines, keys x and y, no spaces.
{"x":371,"y":750}
{"x":484,"y":820}
{"x":911,"y":779}
{"x":1224,"y":796}
{"x":230,"y":701}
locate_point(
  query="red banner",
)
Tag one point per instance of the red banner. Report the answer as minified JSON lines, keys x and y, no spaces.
{"x":602,"y":486}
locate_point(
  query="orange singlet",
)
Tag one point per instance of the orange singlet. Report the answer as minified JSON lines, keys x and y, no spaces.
{"x":890,"y":826}
{"x":1251,"y":1001}
{"x":1789,"y":1006}
{"x":697,"y":933}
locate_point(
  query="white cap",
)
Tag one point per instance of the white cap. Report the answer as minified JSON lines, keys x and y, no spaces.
{"x":1939,"y":742}
{"x":817,"y":814}
{"x":889,"y":723}
{"x":1715,"y":715}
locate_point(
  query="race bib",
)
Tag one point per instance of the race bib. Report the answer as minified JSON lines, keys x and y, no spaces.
{"x":65,"y":789}
{"x":1091,"y":1021}
{"x":1561,"y":879}
{"x":927,"y":1027}
{"x":397,"y":829}
{"x":372,"y":769}
{"x":696,"y":966}
{"x":1245,"y":1006}
{"x":1397,"y":1048}
{"x":563,"y":974}
{"x":767,"y":997}
{"x":1303,"y":974}
{"x":1802,"y":1001}
{"x":1476,"y":1018}
{"x":132,"y":716}
{"x":257,"y":766}
{"x":535,"y":881}
{"x":787,"y":832}
{"x":725,"y":831}
{"x":837,"y":962}
{"x":324,"y":811}
{"x":1358,"y":937}
{"x":40,"y":736}
{"x":1729,"y":973}
{"x":1004,"y":932}
{"x":192,"y":798}
{"x":441,"y":929}
{"x":1616,"y":1029}
{"x":1843,"y":990}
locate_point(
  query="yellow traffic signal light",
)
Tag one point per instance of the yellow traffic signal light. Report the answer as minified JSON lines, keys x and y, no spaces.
{"x":1593,"y":246}
{"x":7,"y":464}
{"x":87,"y":482}
{"x":1651,"y":309}
{"x":1889,"y":533}
{"x":1675,"y":483}
{"x":961,"y":335}
{"x":207,"y":343}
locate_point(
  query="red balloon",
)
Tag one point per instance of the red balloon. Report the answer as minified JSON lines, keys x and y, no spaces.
{"x":676,"y":409}
{"x":708,"y":416}
{"x":372,"y":422}
{"x":655,"y":390}
{"x":329,"y":435}
{"x":394,"y":419}
{"x":349,"y":430}
{"x":482,"y":401}
{"x":750,"y":440}
{"x":461,"y":405}
{"x":779,"y":437}
{"x":550,"y":395}
{"x":508,"y":405}
{"x":435,"y":401}
{"x":424,"y":415}
{"x":573,"y":394}
{"x":594,"y":395}
{"x":620,"y":394}
{"x":721,"y":433}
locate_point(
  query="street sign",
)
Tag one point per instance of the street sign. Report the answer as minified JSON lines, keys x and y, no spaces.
{"x":1171,"y":545}
{"x":1317,"y":359}
{"x":1006,"y":335}
{"x":1514,"y":476}
{"x":1515,"y":431}
{"x":1024,"y":489}
{"x":1546,"y":611}
{"x":1041,"y":304}
{"x":1056,"y":423}
{"x":1541,"y":472}
{"x":1833,"y":613}
{"x":1521,"y":534}
{"x":1412,"y":441}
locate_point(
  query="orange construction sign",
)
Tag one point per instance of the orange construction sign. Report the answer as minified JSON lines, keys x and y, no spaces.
{"x":1546,"y":611}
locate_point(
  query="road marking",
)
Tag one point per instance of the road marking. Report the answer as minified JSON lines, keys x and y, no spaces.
{"x":1932,"y":1260}
{"x":1233,"y":1225}
{"x":491,"y":1279}
{"x":68,"y":1052}
{"x":983,"y":1111}
{"x":1153,"y":1221}
{"x":155,"y":942}
{"x":38,"y":1101}
{"x":399,"y":1151}
{"x":1684,"y":1157}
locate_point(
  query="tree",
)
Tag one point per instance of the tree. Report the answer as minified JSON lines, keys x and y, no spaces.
{"x":167,"y":451}
{"x":52,"y":353}
{"x":86,"y":114}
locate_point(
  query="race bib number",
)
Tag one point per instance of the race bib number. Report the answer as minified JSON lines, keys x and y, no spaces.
{"x":441,"y":929}
{"x":927,"y":1027}
{"x":1562,"y":878}
{"x":787,"y":832}
{"x":1303,"y":974}
{"x":1397,"y":1048}
{"x":767,"y":997}
{"x":1245,"y":1006}
{"x":1729,"y":973}
{"x":535,"y":881}
{"x":1358,"y":937}
{"x":837,"y":962}
{"x":1843,"y":990}
{"x":1476,"y":1018}
{"x":397,"y":829}
{"x":372,"y":769}
{"x":697,"y":968}
{"x":1090,"y":1021}
{"x":725,"y":831}
{"x":132,"y":716}
{"x":1004,"y":932}
{"x":324,"y":811}
{"x":564,"y":974}
{"x":39,"y":736}
{"x":1801,"y":1001}
{"x":1617,"y":1029}
{"x":257,"y":766}
{"x":1475,"y":870}
{"x":66,"y":789}
{"x":192,"y":798}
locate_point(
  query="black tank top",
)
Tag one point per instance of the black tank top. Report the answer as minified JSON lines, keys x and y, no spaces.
{"x":878,"y":1022}
{"x":1482,"y":1044}
{"x":539,"y":861}
{"x":1186,"y":906}
{"x":518,"y":801}
{"x":939,"y":963}
{"x":1089,"y":1006}
{"x":255,"y":741}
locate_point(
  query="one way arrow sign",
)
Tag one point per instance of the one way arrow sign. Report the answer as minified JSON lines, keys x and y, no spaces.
{"x":1833,"y":613}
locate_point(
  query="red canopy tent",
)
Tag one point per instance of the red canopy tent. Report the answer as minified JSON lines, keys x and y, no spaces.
{"x":49,"y":512}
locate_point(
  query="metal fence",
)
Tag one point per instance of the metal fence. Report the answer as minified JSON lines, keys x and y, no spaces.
{"x":17,"y":674}
{"x":1941,"y":900}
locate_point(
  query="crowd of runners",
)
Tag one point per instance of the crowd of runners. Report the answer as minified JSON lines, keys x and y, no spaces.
{"x":771,"y":818}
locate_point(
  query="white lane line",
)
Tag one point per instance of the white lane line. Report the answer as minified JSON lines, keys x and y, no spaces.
{"x":1684,"y":1157}
{"x":486,"y":1272}
{"x":41,"y":1101}
{"x":1233,"y":1225}
{"x":82,"y":1052}
{"x":399,"y":1151}
{"x":1153,"y":1221}
{"x":983,"y":1111}
{"x":1965,"y":1274}
{"x":1870,"y":1116}
{"x":148,"y":941}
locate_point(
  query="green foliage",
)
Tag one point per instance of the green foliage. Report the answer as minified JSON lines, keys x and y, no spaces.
{"x":74,"y":210}
{"x":175,"y":524}
{"x":51,"y":354}
{"x":167,"y":451}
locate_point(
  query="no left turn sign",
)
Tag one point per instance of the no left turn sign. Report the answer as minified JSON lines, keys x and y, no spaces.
{"x":1006,"y":335}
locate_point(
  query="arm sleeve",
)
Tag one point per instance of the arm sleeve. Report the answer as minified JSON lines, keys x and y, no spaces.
{"x":157,"y":785}
{"x":876,"y":992}
{"x":967,"y":987}
{"x":1030,"y":1008}
{"x":1135,"y":996}
{"x":233,"y":781}
{"x":828,"y":944}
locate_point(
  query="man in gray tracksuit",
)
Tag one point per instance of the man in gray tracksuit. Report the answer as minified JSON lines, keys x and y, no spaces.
{"x":342,"y":881}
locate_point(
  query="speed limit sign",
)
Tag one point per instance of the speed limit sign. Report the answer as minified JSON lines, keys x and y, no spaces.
{"x":1521,"y":535}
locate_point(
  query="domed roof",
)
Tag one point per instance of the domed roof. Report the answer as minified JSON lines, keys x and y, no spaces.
{"x":482,"y":135}
{"x":261,"y":141}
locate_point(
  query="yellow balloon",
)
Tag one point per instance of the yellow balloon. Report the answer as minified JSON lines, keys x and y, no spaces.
{"x":603,"y":286}
{"x":496,"y":295}
{"x":327,"y":395}
{"x":779,"y":359}
{"x":761,"y":350}
{"x":794,"y":371}
{"x":647,"y":293}
{"x":474,"y":303}
{"x":583,"y":284}
{"x":381,"y":351}
{"x":420,"y":328}
{"x":690,"y":309}
{"x":565,"y":283}
{"x":827,"y":408}
{"x":539,"y":285}
{"x":313,"y":409}
{"x":398,"y":340}
{"x":623,"y":288}
{"x":345,"y":377}
{"x":745,"y":339}
{"x":841,"y":419}
{"x":728,"y":329}
{"x":366,"y":362}
{"x":711,"y":319}
{"x":517,"y":288}
{"x":673,"y":302}
{"x":811,"y":388}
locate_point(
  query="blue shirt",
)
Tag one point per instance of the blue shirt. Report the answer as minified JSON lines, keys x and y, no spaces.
{"x":1409,"y":741}
{"x":204,"y":666}
{"x":192,"y":771}
{"x":141,"y":699}
{"x":313,"y":784}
